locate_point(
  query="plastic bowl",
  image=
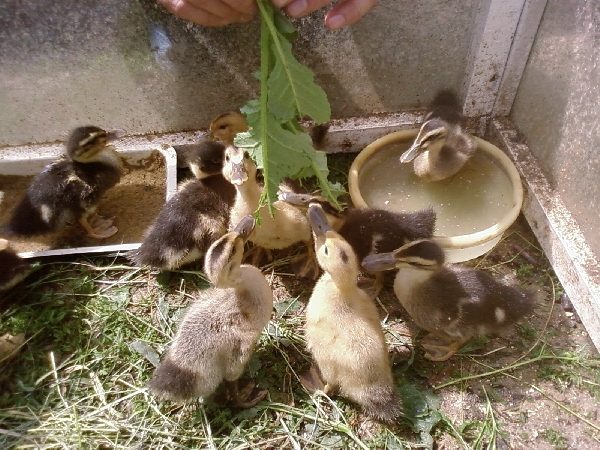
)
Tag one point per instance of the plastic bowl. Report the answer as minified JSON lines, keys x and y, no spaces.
{"x":460,"y":247}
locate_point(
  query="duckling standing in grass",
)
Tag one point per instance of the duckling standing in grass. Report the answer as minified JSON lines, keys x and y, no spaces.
{"x":68,"y":190}
{"x":343,"y":331}
{"x":218,"y":333}
{"x":287,"y":226}
{"x":441,"y":148}
{"x":454,"y":304}
{"x":196,"y":216}
{"x":13,"y":269}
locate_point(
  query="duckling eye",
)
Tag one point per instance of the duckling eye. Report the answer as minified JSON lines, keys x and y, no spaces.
{"x":222,"y":127}
{"x":227,"y":158}
{"x":326,"y":251}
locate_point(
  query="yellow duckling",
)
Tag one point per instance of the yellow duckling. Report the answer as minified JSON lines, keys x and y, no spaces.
{"x":343,"y":332}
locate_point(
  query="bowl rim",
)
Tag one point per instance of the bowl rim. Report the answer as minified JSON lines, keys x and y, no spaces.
{"x":460,"y":241}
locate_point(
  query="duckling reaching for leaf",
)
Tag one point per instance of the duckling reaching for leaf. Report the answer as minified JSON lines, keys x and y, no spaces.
{"x":195,"y":217}
{"x":68,"y":190}
{"x":13,"y":269}
{"x":343,"y":331}
{"x":218,"y":333}
{"x":441,"y":148}
{"x":453,"y":304}
{"x":286,"y":227}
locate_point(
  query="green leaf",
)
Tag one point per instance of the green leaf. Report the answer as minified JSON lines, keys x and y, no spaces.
{"x":292,"y":89}
{"x":291,"y":85}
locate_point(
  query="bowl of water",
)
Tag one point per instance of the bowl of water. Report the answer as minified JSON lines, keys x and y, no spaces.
{"x":473,"y":207}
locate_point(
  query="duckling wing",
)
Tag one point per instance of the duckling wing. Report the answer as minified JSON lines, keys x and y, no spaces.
{"x":492,"y":305}
{"x":190,"y":221}
{"x":53,"y":197}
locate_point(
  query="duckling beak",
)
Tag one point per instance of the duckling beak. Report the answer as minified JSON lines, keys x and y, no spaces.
{"x":238,"y":174}
{"x":245,"y":227}
{"x":378,"y":262}
{"x":412,"y":152}
{"x":318,"y":220}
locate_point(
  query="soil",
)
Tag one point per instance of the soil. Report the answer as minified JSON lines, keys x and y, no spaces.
{"x":134,"y":203}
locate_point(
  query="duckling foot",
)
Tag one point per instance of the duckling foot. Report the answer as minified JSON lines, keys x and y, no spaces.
{"x":438,"y":349}
{"x":305,"y":266}
{"x":372,"y":286}
{"x":258,"y":256}
{"x":311,"y":380}
{"x":246,"y":397}
{"x":98,"y":227}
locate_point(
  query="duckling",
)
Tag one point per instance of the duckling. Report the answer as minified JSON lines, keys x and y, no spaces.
{"x":370,"y":230}
{"x":224,"y":127}
{"x":441,"y":148}
{"x":343,"y":332}
{"x":196,"y":216}
{"x":69,"y":189}
{"x":452,"y":303}
{"x":287,"y":226}
{"x":219,"y":331}
{"x":13,"y":269}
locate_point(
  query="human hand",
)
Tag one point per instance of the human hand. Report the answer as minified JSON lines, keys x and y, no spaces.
{"x":212,"y":13}
{"x":344,"y":13}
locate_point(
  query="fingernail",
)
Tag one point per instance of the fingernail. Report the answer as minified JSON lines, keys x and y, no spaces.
{"x":297,"y":8}
{"x":335,"y":22}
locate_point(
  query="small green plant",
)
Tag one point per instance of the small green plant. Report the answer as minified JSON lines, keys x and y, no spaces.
{"x":555,"y":438}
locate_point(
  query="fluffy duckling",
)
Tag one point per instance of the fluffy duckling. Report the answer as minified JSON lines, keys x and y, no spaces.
{"x":196,"y":216}
{"x":370,"y":230}
{"x":219,"y":331}
{"x":452,"y":303}
{"x":286,"y":227}
{"x":441,"y":148}
{"x":343,"y":331}
{"x":68,"y":190}
{"x":13,"y":269}
{"x":224,"y":127}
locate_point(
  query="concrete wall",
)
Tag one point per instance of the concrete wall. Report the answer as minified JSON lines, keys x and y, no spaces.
{"x":127,"y":64}
{"x":558,"y":107}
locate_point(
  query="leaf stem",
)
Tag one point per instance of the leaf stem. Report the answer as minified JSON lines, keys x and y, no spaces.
{"x":265,"y":50}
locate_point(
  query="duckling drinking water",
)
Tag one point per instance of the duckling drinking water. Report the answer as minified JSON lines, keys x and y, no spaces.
{"x":343,"y":332}
{"x":68,"y":190}
{"x":196,"y":216}
{"x":441,"y":148}
{"x":13,"y":269}
{"x":454,"y":304}
{"x":218,"y":333}
{"x":287,"y":226}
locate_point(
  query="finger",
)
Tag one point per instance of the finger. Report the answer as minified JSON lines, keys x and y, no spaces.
{"x":244,"y":7}
{"x":348,"y":12}
{"x":185,"y":10}
{"x":300,"y":8}
{"x":217,"y":8}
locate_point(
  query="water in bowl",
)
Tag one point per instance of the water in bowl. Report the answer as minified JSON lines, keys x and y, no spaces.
{"x":474,"y":199}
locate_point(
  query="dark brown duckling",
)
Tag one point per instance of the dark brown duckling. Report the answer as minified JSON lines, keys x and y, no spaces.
{"x":196,"y":216}
{"x":13,"y":269}
{"x":370,"y":230}
{"x":453,"y":303}
{"x":69,"y":189}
